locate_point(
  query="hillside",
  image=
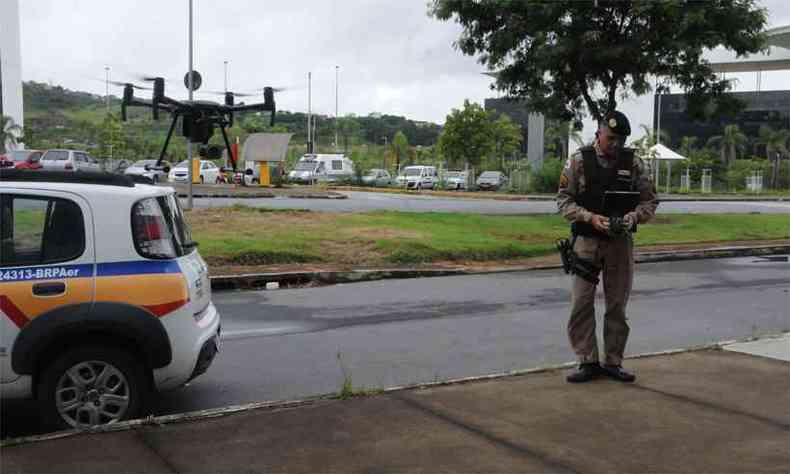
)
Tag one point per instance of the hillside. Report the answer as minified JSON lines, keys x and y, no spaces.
{"x":59,"y":117}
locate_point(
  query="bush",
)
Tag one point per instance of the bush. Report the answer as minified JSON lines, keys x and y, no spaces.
{"x":547,"y":179}
{"x":736,"y":175}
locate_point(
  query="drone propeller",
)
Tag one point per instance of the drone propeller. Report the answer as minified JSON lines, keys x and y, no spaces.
{"x":121,"y":84}
{"x":234,"y":94}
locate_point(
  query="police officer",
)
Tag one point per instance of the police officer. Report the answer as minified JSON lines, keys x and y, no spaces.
{"x":590,"y":172}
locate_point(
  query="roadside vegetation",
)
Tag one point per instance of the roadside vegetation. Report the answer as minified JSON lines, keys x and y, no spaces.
{"x":245,"y":236}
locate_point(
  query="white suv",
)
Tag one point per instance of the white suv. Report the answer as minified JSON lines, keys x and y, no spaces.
{"x":104,"y":298}
{"x":69,"y":160}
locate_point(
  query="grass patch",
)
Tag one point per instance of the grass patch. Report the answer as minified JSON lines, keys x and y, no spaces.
{"x":243,"y":235}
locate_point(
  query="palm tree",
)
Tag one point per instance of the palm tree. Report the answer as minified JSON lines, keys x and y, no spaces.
{"x":652,"y":138}
{"x":775,"y":142}
{"x":9,"y":132}
{"x":687,"y":145}
{"x":729,"y":143}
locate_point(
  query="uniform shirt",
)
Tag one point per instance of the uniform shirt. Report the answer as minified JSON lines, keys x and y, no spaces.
{"x":573,"y":184}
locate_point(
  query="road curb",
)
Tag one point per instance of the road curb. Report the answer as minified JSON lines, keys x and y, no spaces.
{"x":259,"y":280}
{"x":328,"y":398}
{"x":263,"y":196}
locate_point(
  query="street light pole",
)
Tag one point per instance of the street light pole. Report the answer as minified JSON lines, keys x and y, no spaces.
{"x":226,"y":77}
{"x":107,"y":94}
{"x":190,"y":87}
{"x":309,"y":112}
{"x":384,"y":155}
{"x":337,"y":69}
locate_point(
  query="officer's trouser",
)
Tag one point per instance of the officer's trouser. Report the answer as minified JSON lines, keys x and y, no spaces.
{"x":615,"y":258}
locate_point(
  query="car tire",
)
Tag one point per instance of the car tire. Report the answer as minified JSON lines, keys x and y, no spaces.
{"x":126,"y":379}
{"x":201,"y":179}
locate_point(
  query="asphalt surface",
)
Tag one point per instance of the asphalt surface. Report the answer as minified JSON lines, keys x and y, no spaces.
{"x":289,"y":344}
{"x":707,"y":411}
{"x":367,"y":201}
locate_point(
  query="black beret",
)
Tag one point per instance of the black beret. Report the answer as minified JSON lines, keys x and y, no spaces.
{"x":617,"y":122}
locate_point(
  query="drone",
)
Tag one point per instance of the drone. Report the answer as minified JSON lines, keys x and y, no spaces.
{"x":199,"y":117}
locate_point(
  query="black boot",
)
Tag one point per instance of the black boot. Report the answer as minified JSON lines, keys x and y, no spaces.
{"x":584,"y":373}
{"x":618,"y":373}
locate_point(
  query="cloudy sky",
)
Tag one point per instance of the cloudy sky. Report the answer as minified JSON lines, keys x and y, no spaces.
{"x":393,"y":58}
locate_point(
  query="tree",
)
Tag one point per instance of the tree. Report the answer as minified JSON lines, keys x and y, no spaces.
{"x":466,"y":137}
{"x":729,"y":143}
{"x":349,"y":129}
{"x":111,"y":139}
{"x":559,"y":136}
{"x":506,"y":135}
{"x":775,"y":142}
{"x":400,"y":146}
{"x":687,"y":145}
{"x":9,"y":132}
{"x":563,"y":55}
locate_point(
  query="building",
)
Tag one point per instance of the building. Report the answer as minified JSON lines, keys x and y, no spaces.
{"x":763,"y":108}
{"x":10,"y":62}
{"x":532,"y":126}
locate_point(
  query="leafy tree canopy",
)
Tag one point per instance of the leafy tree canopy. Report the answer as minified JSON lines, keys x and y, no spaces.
{"x":565,"y":55}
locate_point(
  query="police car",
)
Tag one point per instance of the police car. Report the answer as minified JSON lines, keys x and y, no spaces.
{"x":104,"y":298}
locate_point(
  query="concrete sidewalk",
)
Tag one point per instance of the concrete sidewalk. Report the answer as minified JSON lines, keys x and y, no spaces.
{"x":704,"y":411}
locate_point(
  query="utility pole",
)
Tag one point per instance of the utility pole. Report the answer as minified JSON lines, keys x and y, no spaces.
{"x":226,"y":76}
{"x":309,"y":112}
{"x":384,"y":155}
{"x":337,"y":69}
{"x":190,"y":86}
{"x":107,"y":94}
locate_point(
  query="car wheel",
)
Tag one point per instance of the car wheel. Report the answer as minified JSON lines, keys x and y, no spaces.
{"x":201,"y":179}
{"x":92,"y":386}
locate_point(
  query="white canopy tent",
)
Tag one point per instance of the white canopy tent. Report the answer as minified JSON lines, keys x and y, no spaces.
{"x":659,"y":153}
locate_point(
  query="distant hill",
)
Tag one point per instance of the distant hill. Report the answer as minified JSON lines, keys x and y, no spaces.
{"x":59,"y":117}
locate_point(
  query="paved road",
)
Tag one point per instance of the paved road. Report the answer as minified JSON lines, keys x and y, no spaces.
{"x":289,"y":344}
{"x":364,"y":201}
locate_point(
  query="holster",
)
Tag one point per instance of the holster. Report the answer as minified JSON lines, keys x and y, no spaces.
{"x":572,"y":264}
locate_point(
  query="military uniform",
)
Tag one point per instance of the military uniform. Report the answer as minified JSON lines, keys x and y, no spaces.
{"x":613,"y":254}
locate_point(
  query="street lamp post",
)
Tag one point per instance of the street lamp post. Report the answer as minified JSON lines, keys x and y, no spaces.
{"x":107,"y":100}
{"x":226,"y":77}
{"x":337,"y":69}
{"x":384,"y":155}
{"x":190,"y":86}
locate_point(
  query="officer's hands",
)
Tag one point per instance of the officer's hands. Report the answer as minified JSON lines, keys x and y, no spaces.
{"x":600,"y":223}
{"x":629,"y":220}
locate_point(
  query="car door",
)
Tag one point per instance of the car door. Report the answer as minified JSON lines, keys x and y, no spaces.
{"x":55,"y":159}
{"x":46,"y":261}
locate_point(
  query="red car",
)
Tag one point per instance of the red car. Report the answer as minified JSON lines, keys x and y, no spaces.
{"x":22,"y":160}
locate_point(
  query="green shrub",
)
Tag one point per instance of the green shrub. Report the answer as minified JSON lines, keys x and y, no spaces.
{"x":547,"y":179}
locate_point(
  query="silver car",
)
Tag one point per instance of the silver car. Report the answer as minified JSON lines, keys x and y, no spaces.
{"x":140,"y":168}
{"x":377,"y":177}
{"x":492,"y":180}
{"x":69,"y":160}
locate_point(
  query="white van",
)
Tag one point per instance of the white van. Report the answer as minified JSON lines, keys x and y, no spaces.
{"x":322,"y":167}
{"x":419,"y":177}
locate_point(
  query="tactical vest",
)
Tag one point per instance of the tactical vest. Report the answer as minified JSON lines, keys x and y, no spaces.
{"x":599,"y":180}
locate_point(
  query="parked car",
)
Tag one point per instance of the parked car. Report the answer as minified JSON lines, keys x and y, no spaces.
{"x":491,"y":180}
{"x":420,"y":177}
{"x":105,"y":298}
{"x":139,"y":168}
{"x":21,"y":159}
{"x":377,"y":177}
{"x":209,"y":172}
{"x":456,"y":180}
{"x":69,"y":160}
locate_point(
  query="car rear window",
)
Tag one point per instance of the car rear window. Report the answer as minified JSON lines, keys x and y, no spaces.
{"x":56,"y":155}
{"x":159,"y":228}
